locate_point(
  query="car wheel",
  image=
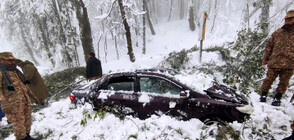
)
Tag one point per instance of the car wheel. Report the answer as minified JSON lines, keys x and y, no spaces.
{"x":214,"y":121}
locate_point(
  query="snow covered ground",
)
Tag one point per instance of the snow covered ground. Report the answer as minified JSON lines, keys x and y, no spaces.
{"x":60,"y":122}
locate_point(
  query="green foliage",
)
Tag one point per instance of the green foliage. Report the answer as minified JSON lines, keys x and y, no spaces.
{"x":264,"y":132}
{"x":117,"y":111}
{"x":5,"y":132}
{"x":74,"y":137}
{"x":177,"y":60}
{"x":63,"y":82}
{"x":224,"y":131}
{"x":133,"y":136}
{"x":220,"y":132}
{"x":242,"y":59}
{"x":86,"y":116}
{"x":179,"y":131}
{"x":43,"y":136}
{"x":101,"y":112}
{"x":225,"y":53}
{"x":246,"y":65}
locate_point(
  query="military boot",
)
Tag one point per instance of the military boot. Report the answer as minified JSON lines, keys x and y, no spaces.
{"x":277,"y":100}
{"x":28,"y":137}
{"x":263,"y":97}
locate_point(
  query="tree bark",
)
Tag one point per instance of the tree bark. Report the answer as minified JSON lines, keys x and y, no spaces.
{"x":68,"y":59}
{"x":127,"y":29}
{"x":265,"y":4}
{"x":28,"y":48}
{"x":170,"y":9}
{"x":181,"y":4}
{"x":85,"y":27}
{"x":45,"y":40}
{"x":144,"y":28}
{"x":214,"y":17}
{"x":191,"y":19}
{"x":148,"y":18}
{"x":116,"y":49}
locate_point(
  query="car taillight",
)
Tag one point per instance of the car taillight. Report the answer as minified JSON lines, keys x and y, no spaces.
{"x":71,"y":97}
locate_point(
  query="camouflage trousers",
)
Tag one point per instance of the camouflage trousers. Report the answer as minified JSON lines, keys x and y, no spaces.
{"x":18,"y":112}
{"x":272,"y":74}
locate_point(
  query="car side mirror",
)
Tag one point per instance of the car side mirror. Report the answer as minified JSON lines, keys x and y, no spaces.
{"x":184,"y":95}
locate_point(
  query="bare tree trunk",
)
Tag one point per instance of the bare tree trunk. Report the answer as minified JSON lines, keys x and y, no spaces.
{"x":85,"y":27}
{"x":246,"y":16}
{"x":105,"y":40}
{"x":105,"y":48}
{"x":137,"y":31}
{"x":98,"y":46}
{"x":182,"y":9}
{"x":170,"y":9}
{"x":28,"y":48}
{"x":144,"y":28}
{"x":64,"y":52}
{"x":214,"y":17}
{"x":191,"y":18}
{"x":197,"y":4}
{"x":265,"y":4}
{"x":45,"y":40}
{"x":148,"y":18}
{"x":116,"y":48}
{"x":127,"y":29}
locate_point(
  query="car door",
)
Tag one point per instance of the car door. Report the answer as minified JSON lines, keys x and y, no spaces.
{"x":160,"y":96}
{"x":119,"y":93}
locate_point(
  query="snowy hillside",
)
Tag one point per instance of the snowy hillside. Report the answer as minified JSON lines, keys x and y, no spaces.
{"x":59,"y":121}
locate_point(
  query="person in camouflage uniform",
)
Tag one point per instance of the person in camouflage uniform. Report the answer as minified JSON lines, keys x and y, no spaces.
{"x":37,"y":84}
{"x":279,"y":58}
{"x":14,"y":97}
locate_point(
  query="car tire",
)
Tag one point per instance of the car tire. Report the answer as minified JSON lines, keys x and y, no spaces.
{"x":214,"y":120}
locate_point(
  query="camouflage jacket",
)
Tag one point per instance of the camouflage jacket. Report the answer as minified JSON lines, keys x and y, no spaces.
{"x":20,"y":92}
{"x":279,"y":51}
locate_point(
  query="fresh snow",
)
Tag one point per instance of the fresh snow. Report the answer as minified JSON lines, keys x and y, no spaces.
{"x":61,"y":121}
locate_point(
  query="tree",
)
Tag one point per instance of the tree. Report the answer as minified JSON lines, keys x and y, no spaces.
{"x":144,"y":28}
{"x":148,"y":18}
{"x":265,"y":4}
{"x":127,"y":30}
{"x":182,"y":9}
{"x":191,"y":19}
{"x":45,"y":33}
{"x":85,"y":27}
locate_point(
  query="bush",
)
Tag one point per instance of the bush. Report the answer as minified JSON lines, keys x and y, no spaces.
{"x":247,"y":64}
{"x":177,"y":60}
{"x":61,"y":83}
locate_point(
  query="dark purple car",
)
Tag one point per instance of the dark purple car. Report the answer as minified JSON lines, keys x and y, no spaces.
{"x":146,"y":92}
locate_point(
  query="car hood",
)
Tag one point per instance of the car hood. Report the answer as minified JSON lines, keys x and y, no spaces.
{"x":222,"y":92}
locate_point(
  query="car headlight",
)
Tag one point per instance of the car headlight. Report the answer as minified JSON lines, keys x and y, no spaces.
{"x":247,"y":109}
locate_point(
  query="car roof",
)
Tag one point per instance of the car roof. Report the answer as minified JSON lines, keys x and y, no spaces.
{"x":162,"y":72}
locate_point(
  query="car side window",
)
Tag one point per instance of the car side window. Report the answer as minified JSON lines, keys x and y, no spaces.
{"x":124,"y":83}
{"x":157,"y":85}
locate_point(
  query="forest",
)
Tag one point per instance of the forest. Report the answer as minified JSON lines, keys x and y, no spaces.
{"x":58,"y":35}
{"x":59,"y":31}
